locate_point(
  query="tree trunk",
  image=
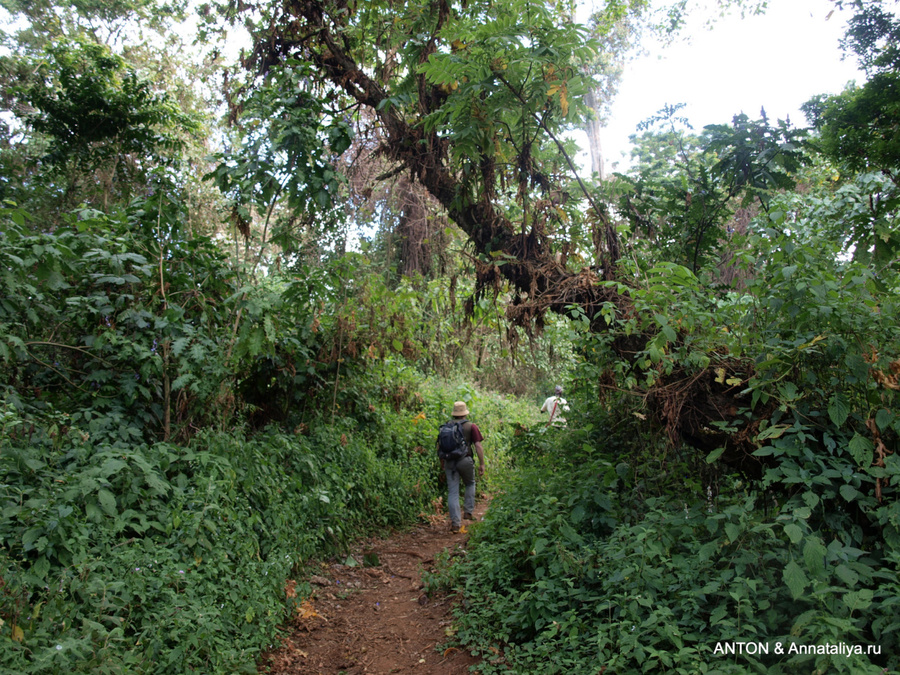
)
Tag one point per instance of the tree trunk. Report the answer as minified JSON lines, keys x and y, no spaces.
{"x":415,"y":255}
{"x":593,"y":127}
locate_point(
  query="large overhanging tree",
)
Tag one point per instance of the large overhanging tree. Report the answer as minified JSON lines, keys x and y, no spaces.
{"x":474,"y":99}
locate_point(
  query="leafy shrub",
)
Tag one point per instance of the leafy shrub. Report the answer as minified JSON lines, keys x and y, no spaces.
{"x":127,"y":557}
{"x":611,"y":548}
{"x":104,"y":319}
{"x":577,"y":568}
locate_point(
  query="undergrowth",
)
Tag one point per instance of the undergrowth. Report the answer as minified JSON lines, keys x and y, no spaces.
{"x":173,"y":559}
{"x":598,"y":556}
{"x":125,"y":557}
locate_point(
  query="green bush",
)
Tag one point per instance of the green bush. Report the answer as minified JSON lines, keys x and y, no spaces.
{"x":165,"y":559}
{"x":600,"y":553}
{"x":612,"y":548}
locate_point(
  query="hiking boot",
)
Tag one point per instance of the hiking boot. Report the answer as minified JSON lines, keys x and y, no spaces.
{"x":455,"y":528}
{"x":468,"y":516}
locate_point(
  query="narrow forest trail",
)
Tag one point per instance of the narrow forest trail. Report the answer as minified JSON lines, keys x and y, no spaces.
{"x":377,"y":619}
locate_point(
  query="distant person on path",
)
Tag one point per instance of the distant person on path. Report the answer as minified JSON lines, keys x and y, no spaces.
{"x":554,"y":406}
{"x":456,"y":441}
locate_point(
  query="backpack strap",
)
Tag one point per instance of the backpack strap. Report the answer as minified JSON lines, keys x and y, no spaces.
{"x":553,"y":411}
{"x":467,"y":434}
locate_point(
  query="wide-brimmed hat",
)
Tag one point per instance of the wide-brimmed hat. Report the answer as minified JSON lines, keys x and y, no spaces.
{"x":460,"y":409}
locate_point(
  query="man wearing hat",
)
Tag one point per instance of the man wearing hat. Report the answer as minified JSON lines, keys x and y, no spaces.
{"x":463,"y":468}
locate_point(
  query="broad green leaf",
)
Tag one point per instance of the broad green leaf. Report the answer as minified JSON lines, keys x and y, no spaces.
{"x":861,"y":449}
{"x":255,"y":341}
{"x":714,"y":455}
{"x":718,"y":614}
{"x":92,"y":512}
{"x":795,"y":579}
{"x":107,"y":501}
{"x":774,"y":431}
{"x":860,"y":599}
{"x":40,"y":569}
{"x":847,"y":575}
{"x":34,"y":463}
{"x":794,"y":533}
{"x":788,"y":391}
{"x":109,"y":279}
{"x":838,"y":410}
{"x":732,"y":531}
{"x":814,"y":555}
{"x":112,"y":466}
{"x":578,"y":514}
{"x":803,"y":512}
{"x":849,"y":492}
{"x":30,"y":537}
{"x":883,"y":418}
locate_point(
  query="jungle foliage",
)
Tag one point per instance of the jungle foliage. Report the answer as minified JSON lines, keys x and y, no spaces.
{"x":202,"y":381}
{"x":176,"y":446}
{"x":769,"y":314}
{"x":168,"y":424}
{"x":613,"y":548}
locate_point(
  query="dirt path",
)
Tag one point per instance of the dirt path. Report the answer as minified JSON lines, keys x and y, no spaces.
{"x":377,"y":619}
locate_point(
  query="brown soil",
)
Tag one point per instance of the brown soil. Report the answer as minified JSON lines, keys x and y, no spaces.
{"x":377,"y":619}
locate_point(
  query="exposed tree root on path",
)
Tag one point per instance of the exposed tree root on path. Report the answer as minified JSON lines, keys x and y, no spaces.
{"x":377,"y":619}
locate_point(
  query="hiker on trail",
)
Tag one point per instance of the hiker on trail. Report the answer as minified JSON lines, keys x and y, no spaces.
{"x":456,"y":441}
{"x":554,"y":406}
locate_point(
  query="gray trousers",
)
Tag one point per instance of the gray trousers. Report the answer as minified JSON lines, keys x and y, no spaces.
{"x":463,"y":470}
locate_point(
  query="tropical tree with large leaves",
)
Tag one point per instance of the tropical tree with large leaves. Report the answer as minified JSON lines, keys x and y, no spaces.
{"x":858,"y":131}
{"x":104,"y":127}
{"x":473,"y":101}
{"x":99,"y":111}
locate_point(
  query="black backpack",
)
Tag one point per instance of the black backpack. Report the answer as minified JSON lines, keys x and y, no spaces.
{"x":452,"y":445}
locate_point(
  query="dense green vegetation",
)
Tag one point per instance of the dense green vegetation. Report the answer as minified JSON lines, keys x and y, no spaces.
{"x":126,"y":556}
{"x":176,"y":446}
{"x":237,"y":301}
{"x":609,"y":547}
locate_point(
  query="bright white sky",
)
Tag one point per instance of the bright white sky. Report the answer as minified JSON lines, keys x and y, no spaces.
{"x":778,"y":60}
